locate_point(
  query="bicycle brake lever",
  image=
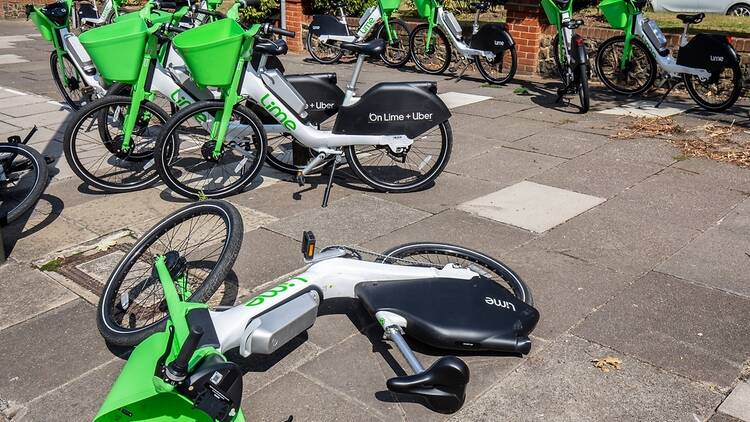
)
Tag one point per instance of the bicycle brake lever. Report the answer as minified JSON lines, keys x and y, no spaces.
{"x":163,"y":358}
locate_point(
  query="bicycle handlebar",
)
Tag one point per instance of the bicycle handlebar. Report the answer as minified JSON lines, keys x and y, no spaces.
{"x":207,"y":12}
{"x":179,"y":366}
{"x":269,"y":29}
{"x":174,"y":28}
{"x":165,"y":4}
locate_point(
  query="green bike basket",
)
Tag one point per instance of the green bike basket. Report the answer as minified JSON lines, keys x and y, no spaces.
{"x":616,"y":12}
{"x":157,"y":16}
{"x":211,"y":51}
{"x":425,"y":8}
{"x":389,"y":6}
{"x":552,"y":12}
{"x":117,"y":49}
{"x":43,"y":24}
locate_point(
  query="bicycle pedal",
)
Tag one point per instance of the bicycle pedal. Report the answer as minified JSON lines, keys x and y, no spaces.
{"x":48,"y":159}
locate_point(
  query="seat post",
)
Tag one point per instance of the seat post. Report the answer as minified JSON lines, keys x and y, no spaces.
{"x":393,"y":332}
{"x":352,"y":86}
{"x":684,"y":37}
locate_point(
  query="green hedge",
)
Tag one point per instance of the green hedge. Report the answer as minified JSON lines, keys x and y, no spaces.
{"x":265,"y":10}
{"x":351,"y":7}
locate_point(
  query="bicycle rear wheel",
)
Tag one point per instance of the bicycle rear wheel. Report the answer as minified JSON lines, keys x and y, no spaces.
{"x":441,"y":254}
{"x":322,"y":52}
{"x":409,"y":170}
{"x":200,"y":241}
{"x":719,"y":92}
{"x":73,"y":89}
{"x":25,"y":177}
{"x":396,"y":54}
{"x":583,"y":88}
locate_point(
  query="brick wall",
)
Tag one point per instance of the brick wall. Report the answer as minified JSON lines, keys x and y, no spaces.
{"x":14,"y":9}
{"x":526,"y":23}
{"x":295,"y":18}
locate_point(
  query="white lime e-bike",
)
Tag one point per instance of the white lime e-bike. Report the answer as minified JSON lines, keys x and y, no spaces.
{"x":154,"y":299}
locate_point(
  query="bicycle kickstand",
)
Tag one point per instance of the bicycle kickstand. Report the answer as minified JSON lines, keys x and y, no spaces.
{"x":329,"y":185}
{"x":670,"y":87}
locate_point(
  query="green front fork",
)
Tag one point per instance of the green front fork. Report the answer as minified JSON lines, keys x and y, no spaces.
{"x":431,"y":22}
{"x":387,"y":24}
{"x":627,"y":48}
{"x":139,"y":95}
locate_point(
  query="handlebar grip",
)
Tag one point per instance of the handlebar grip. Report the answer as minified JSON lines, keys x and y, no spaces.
{"x":282,"y":32}
{"x":249,"y":3}
{"x":180,"y":365}
{"x":174,"y":28}
{"x":209,"y":13}
{"x":165,"y":5}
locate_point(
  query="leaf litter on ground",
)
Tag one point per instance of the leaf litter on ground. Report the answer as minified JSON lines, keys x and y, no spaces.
{"x":716,"y":141}
{"x":607,"y":363}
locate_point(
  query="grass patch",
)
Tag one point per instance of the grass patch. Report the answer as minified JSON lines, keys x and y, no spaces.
{"x":52,"y":265}
{"x":521,"y":91}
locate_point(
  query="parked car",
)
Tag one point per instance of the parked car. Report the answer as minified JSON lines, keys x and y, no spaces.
{"x":727,"y":7}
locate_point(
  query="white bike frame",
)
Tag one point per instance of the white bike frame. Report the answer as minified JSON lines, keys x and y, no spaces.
{"x":668,"y":62}
{"x":108,"y":9}
{"x":371,"y":16}
{"x":459,"y":44}
{"x":331,"y":278}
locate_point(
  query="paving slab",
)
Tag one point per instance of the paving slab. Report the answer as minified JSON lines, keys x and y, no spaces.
{"x":531,"y":206}
{"x":353,"y":368}
{"x":565,"y":289}
{"x":26,"y":292}
{"x":721,"y":417}
{"x":296,"y":395}
{"x":454,"y":99}
{"x":642,"y":151}
{"x":505,"y":165}
{"x":737,"y":404}
{"x":738,"y":220}
{"x":32,"y":109}
{"x":594,"y":175}
{"x":691,"y":330}
{"x":468,"y":145}
{"x":448,"y":191}
{"x":351,"y":220}
{"x":77,"y":400}
{"x":561,"y":384}
{"x":456,"y":227}
{"x":65,"y":344}
{"x":492,"y":109}
{"x":32,"y":239}
{"x":501,"y":129}
{"x":647,"y":108}
{"x":724,"y":174}
{"x":265,"y":256}
{"x":616,"y":239}
{"x":673,"y":195}
{"x":718,"y":258}
{"x":561,"y":143}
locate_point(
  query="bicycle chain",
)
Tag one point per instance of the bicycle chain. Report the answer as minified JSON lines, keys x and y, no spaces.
{"x":377,"y":255}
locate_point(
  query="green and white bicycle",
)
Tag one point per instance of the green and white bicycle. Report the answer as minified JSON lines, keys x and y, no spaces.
{"x":707,"y":64}
{"x":179,"y":372}
{"x":326,"y":32}
{"x":569,"y":52}
{"x":396,"y":137}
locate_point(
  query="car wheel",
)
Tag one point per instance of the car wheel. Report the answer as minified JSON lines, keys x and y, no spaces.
{"x":739,"y":10}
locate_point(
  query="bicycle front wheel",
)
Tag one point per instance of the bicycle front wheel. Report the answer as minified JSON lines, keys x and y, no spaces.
{"x":396,"y":53}
{"x":404,"y":171}
{"x":93,"y":145}
{"x":635,"y":76}
{"x":70,"y":84}
{"x":435,"y":58}
{"x":439,"y":255}
{"x":26,"y":176}
{"x":200,"y":242}
{"x":583,"y":88}
{"x":186,"y":157}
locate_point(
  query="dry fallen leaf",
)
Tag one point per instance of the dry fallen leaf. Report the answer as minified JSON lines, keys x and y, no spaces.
{"x":607,"y":363}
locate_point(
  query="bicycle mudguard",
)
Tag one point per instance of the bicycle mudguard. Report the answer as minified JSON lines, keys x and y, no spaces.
{"x":137,"y":395}
{"x":580,"y":55}
{"x":393,"y":108}
{"x":492,"y":37}
{"x":327,"y":25}
{"x":708,"y":51}
{"x":321,"y":93}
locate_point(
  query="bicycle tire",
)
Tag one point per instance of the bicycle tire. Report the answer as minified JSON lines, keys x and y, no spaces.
{"x":70,"y":145}
{"x":75,"y":105}
{"x":311,"y":49}
{"x":705,"y":104}
{"x":583,"y":88}
{"x":411,"y":251}
{"x":480,"y":62}
{"x":637,"y":44}
{"x":372,"y":180}
{"x":112,"y":331}
{"x":167,"y":148}
{"x":41,"y":178}
{"x":412,"y":48}
{"x":393,"y":22}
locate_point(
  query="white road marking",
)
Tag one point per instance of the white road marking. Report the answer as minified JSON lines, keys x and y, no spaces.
{"x":458,"y":99}
{"x":646,"y":108}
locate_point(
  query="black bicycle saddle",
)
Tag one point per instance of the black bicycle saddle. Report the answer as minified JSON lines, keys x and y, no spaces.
{"x":452,"y":314}
{"x":442,"y":386}
{"x":370,"y":48}
{"x":695,"y":18}
{"x":271,"y":47}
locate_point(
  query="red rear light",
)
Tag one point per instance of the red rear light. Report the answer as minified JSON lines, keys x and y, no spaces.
{"x":579,"y":41}
{"x":730,"y":40}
